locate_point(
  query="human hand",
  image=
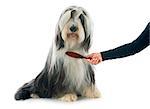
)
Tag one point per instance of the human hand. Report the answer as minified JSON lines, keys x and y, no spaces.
{"x":95,"y":58}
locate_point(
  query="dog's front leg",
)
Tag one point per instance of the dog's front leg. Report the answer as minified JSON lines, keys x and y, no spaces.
{"x":91,"y":92}
{"x":69,"y":97}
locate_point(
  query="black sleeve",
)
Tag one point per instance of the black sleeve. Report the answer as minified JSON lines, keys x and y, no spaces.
{"x":131,"y":48}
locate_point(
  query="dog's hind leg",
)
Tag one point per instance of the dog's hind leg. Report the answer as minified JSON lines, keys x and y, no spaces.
{"x":36,"y":88}
{"x":25,"y":91}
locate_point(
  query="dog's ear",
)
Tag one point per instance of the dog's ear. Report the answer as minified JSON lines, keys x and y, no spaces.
{"x":86,"y":44}
{"x":58,"y":40}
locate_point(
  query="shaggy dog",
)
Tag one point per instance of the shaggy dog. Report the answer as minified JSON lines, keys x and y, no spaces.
{"x":64,"y":77}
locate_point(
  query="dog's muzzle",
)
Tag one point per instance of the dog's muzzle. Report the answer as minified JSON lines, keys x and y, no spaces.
{"x":72,"y":36}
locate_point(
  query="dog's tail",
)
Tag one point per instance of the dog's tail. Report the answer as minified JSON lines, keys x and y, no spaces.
{"x":25,"y":91}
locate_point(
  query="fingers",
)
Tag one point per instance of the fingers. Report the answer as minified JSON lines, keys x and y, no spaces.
{"x":94,"y":61}
{"x":95,"y":58}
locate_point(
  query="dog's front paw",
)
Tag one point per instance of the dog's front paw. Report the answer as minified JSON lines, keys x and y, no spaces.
{"x":92,"y":92}
{"x":69,"y":98}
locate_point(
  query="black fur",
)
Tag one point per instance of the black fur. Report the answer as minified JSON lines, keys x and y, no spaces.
{"x":82,"y":19}
{"x":46,"y":87}
{"x":87,"y":41}
{"x":59,"y":41}
{"x":72,"y":13}
{"x":49,"y":83}
{"x":92,"y":76}
{"x":86,"y":44}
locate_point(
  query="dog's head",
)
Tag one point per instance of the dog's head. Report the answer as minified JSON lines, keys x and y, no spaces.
{"x":73,"y":29}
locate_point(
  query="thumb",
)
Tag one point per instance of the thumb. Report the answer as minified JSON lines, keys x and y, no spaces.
{"x":89,"y":60}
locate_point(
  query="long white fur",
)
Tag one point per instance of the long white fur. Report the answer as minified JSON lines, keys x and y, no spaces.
{"x":75,"y":69}
{"x":79,"y":75}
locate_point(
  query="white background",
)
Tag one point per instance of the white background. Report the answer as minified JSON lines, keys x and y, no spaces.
{"x":26,"y":31}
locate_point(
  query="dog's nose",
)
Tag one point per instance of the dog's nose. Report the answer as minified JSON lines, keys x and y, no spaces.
{"x":73,"y":28}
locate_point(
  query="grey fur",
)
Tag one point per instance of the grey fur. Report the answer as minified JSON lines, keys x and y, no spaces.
{"x":63,"y":74}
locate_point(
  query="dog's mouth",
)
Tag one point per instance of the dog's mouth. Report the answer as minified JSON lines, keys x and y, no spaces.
{"x":72,"y":36}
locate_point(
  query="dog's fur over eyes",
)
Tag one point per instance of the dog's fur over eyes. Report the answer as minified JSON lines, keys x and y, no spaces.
{"x":64,"y":77}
